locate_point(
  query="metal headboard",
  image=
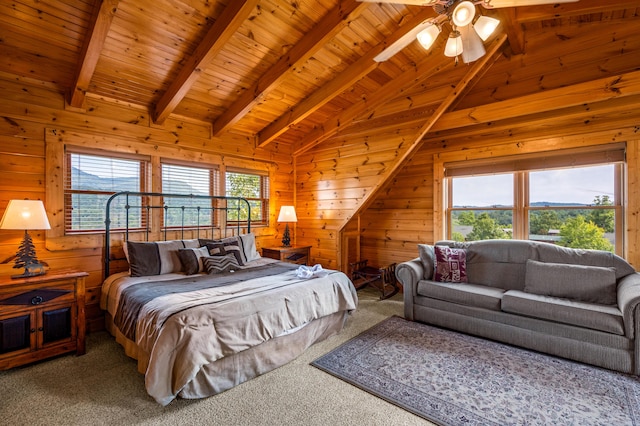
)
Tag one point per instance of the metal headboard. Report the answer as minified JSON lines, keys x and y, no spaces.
{"x":144,"y":202}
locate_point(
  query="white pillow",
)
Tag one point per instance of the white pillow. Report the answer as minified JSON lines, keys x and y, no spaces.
{"x":248,"y":242}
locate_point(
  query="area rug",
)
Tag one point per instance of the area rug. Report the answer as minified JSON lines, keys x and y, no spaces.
{"x":455,"y":379}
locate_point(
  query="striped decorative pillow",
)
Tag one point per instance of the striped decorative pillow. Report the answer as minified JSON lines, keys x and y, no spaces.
{"x":191,"y":259}
{"x":219,"y":264}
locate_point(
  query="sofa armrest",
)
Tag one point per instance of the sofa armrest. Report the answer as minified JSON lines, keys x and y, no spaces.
{"x":409,"y":273}
{"x":628,"y":300}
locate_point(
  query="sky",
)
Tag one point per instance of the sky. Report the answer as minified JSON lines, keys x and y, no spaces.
{"x":579,"y":185}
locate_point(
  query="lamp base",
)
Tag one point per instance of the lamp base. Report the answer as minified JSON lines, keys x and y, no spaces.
{"x":31,"y":270}
{"x":286,"y":238}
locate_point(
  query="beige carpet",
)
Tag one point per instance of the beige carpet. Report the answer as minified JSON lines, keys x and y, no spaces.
{"x":103,"y":387}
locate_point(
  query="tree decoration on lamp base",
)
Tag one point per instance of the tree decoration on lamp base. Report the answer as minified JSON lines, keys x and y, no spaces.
{"x":286,"y":238}
{"x":26,"y":258}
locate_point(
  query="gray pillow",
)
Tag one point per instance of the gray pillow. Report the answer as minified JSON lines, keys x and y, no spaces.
{"x":191,"y":259}
{"x":154,"y":258}
{"x":591,"y":284}
{"x":428,"y":259}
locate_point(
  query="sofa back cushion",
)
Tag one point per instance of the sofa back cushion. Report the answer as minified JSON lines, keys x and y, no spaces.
{"x":591,"y":284}
{"x":557,"y":254}
{"x":496,"y":263}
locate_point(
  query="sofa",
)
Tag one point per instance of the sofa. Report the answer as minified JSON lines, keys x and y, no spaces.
{"x":577,"y":304}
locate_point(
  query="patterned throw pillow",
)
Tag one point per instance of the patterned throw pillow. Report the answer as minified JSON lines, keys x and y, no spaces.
{"x":191,"y":259}
{"x":219,"y":264}
{"x":451,"y":264}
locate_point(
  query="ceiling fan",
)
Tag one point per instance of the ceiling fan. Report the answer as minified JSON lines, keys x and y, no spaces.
{"x":466,"y":38}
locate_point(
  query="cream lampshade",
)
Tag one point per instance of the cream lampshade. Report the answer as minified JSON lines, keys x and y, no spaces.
{"x":287,"y":215}
{"x":27,"y":215}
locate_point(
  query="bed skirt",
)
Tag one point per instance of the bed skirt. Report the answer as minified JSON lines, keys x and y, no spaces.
{"x":232,"y":370}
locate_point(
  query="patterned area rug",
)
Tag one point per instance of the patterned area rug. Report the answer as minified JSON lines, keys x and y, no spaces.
{"x":455,"y":379}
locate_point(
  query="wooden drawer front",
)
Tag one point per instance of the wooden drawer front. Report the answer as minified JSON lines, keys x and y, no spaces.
{"x":37,"y":297}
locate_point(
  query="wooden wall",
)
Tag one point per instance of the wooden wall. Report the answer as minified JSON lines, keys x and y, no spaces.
{"x":569,"y":89}
{"x":34,"y":118}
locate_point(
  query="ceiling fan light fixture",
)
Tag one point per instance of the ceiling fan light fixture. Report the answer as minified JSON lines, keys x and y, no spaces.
{"x":485,"y":26}
{"x":428,"y":36}
{"x":472,"y":46}
{"x":463,"y":14}
{"x":453,"y":47}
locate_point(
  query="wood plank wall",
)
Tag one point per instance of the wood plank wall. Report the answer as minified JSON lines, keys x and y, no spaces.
{"x":31,"y":113}
{"x":336,"y":178}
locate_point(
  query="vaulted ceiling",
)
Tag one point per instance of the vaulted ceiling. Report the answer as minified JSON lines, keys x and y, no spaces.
{"x":298,"y":71}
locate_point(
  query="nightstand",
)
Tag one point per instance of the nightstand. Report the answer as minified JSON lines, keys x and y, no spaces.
{"x":41,"y":317}
{"x":299,"y":255}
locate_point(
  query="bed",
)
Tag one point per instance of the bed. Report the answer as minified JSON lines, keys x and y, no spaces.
{"x":204,"y":312}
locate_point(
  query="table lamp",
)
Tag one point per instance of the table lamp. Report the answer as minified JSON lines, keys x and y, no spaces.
{"x":287,"y":214}
{"x":26,"y":214}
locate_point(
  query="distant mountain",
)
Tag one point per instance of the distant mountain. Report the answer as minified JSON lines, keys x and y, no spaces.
{"x":88,"y":181}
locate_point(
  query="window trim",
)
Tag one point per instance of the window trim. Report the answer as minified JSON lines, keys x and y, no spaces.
{"x":517,"y":164}
{"x":265,"y":190}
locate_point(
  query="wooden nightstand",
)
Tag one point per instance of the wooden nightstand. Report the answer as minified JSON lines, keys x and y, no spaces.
{"x":41,"y":317}
{"x":299,"y":255}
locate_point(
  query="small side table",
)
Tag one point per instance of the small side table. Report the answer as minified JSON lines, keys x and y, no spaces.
{"x":299,"y":255}
{"x":363,"y":275}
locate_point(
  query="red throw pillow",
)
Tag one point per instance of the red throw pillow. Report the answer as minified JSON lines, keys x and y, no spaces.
{"x":451,"y":264}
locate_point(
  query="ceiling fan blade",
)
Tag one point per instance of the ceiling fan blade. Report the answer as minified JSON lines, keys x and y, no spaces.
{"x":495,"y":4}
{"x":403,"y":41}
{"x":411,"y":2}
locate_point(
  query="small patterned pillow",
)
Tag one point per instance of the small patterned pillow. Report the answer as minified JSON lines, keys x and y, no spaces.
{"x":191,"y":259}
{"x":451,"y":264}
{"x":220,"y":264}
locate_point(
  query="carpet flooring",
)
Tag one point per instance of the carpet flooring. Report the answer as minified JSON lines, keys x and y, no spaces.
{"x":455,"y":379}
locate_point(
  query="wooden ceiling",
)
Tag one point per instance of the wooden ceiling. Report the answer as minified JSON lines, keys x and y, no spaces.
{"x":298,"y":71}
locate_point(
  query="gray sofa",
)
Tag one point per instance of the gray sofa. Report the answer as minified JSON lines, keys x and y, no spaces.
{"x":576,"y":304}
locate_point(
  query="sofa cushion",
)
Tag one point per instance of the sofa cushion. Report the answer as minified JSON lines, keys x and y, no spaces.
{"x":451,"y":264}
{"x":496,"y":263}
{"x":428,"y":260}
{"x":596,"y":317}
{"x":469,"y":294}
{"x":591,"y":284}
{"x":558,"y":254}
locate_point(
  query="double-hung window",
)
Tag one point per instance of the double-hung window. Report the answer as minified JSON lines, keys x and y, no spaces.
{"x":194,"y":211}
{"x":571,"y":198}
{"x":252,"y":185}
{"x":91,"y":178}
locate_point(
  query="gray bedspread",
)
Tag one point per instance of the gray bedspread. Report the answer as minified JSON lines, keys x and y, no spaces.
{"x":132,"y":299}
{"x":186,"y":326}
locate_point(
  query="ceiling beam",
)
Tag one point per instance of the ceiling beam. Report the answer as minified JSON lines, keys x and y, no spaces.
{"x":220,"y":32}
{"x":603,"y":89}
{"x":103,"y":13}
{"x":512,"y":28}
{"x":551,"y":11}
{"x":368,"y":103}
{"x":417,"y":141}
{"x":335,"y":87}
{"x":330,"y":25}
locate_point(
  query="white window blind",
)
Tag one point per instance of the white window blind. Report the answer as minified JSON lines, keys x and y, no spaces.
{"x":180,"y":179}
{"x":90,"y":179}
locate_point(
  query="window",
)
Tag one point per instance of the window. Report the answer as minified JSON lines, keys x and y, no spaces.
{"x":90,"y":179}
{"x":198,"y":181}
{"x":571,"y":199}
{"x":252,"y":186}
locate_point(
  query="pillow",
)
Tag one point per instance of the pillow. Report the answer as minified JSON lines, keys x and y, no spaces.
{"x":248,"y":243}
{"x":591,"y":284}
{"x":451,"y":264}
{"x":191,"y":259}
{"x":215,"y":249}
{"x":154,"y":258}
{"x":219,"y":264}
{"x":428,"y":259}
